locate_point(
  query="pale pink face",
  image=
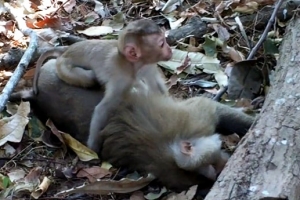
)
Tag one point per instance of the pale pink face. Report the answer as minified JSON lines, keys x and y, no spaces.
{"x":157,"y":49}
{"x":151,"y":49}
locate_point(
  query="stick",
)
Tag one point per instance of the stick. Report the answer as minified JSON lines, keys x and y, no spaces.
{"x":22,"y":66}
{"x":265,"y":33}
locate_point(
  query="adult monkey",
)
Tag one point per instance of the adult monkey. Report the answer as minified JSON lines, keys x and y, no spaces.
{"x":155,"y":134}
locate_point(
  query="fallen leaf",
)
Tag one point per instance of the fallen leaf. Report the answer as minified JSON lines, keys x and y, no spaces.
{"x":248,"y":8}
{"x":245,"y":80}
{"x":209,"y":47}
{"x":46,"y":22}
{"x":69,"y":5}
{"x":11,"y":108}
{"x":16,"y":174}
{"x":197,"y":61}
{"x":34,"y":175}
{"x":108,"y":186}
{"x":58,"y":134}
{"x":4,"y":182}
{"x":30,"y":182}
{"x":99,"y":9}
{"x":171,"y":5}
{"x":93,"y":173}
{"x":106,"y":165}
{"x":223,"y":34}
{"x":184,"y":195}
{"x":118,"y":22}
{"x":96,"y":30}
{"x":42,"y":188}
{"x":221,"y":78}
{"x":184,"y":65}
{"x":270,"y":47}
{"x":12,"y":128}
{"x":172,"y":80}
{"x":234,"y":54}
{"x":83,"y":153}
{"x":9,"y":150}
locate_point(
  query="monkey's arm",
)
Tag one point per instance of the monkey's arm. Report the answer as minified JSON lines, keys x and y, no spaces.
{"x":153,"y":78}
{"x":115,"y":91}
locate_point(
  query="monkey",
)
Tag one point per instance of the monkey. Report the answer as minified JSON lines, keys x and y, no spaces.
{"x":175,"y":140}
{"x":140,"y":45}
{"x":160,"y":131}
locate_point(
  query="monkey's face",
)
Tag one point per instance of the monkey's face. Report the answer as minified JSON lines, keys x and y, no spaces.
{"x":156,"y":48}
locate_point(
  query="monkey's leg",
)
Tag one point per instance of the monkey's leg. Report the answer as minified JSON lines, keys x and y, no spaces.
{"x":231,"y":120}
{"x":227,"y":120}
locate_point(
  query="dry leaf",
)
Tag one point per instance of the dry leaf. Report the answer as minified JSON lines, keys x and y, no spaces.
{"x":248,"y":8}
{"x":16,"y":174}
{"x":93,"y":173}
{"x":221,"y":78}
{"x":124,"y":185}
{"x":42,"y":188}
{"x":97,"y":31}
{"x":83,"y":153}
{"x":184,"y":195}
{"x":12,"y":128}
{"x":57,"y":133}
{"x":30,"y":182}
{"x":223,"y":34}
{"x":69,"y":5}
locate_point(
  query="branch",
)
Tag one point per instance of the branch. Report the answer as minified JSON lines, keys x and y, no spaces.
{"x":265,"y":33}
{"x":22,"y":66}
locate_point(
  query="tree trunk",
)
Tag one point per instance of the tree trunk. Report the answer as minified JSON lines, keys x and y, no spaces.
{"x":267,"y":162}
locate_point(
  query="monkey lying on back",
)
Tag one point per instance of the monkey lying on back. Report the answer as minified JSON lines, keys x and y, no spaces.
{"x":140,"y":45}
{"x":174,"y":140}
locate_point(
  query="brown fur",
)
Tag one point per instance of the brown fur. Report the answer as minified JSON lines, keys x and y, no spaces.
{"x":139,"y":135}
{"x":116,"y":64}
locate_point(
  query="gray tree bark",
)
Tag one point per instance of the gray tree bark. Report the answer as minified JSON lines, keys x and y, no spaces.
{"x":266,"y":165}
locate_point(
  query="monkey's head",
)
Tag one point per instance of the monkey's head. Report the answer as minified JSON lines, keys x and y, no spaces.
{"x":144,"y":41}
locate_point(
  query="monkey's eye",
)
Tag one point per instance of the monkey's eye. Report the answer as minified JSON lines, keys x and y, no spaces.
{"x":162,"y":44}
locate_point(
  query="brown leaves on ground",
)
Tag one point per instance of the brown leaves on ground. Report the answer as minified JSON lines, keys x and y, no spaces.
{"x":201,"y":64}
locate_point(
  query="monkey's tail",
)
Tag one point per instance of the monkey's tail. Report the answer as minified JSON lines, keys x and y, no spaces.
{"x":55,"y":52}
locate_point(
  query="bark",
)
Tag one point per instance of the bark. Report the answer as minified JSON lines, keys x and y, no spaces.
{"x":267,"y":162}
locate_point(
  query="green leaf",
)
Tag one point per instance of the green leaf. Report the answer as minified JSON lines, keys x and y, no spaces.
{"x":209,"y":47}
{"x":270,"y":47}
{"x":6,"y":182}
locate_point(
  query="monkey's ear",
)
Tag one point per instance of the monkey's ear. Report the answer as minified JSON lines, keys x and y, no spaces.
{"x":132,"y":52}
{"x":186,"y":148}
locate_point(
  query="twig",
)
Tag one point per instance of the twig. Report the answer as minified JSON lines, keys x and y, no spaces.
{"x":220,"y":93}
{"x":19,"y":71}
{"x":265,"y":33}
{"x":243,"y":32}
{"x":258,"y":44}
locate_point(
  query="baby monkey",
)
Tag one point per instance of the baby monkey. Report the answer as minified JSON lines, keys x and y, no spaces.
{"x":115,"y":64}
